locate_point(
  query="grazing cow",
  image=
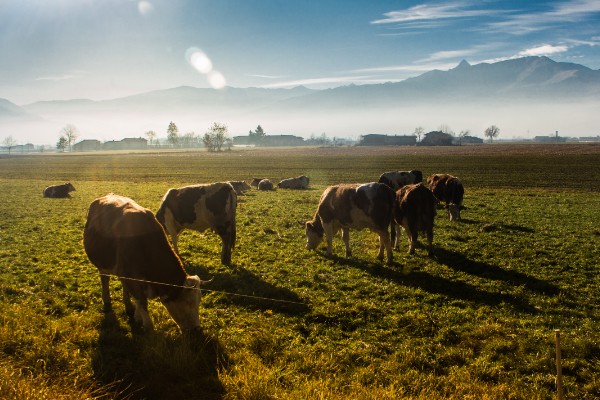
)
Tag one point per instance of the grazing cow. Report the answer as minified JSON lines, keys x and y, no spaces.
{"x":239,"y":186}
{"x":414,"y":210}
{"x":449,"y":189}
{"x":123,"y":239}
{"x":255,"y":182}
{"x":265,"y":184}
{"x":300,"y":182}
{"x":397,"y":179}
{"x":200,"y":207}
{"x":59,"y":191}
{"x":356,"y":206}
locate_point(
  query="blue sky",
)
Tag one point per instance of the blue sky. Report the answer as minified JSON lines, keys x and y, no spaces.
{"x":102,"y":49}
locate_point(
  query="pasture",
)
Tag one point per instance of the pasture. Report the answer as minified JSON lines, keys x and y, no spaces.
{"x":474,"y":320}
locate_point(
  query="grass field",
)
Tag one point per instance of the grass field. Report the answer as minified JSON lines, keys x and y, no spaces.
{"x":474,"y":320}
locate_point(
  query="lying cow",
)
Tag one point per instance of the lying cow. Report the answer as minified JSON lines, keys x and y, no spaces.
{"x":123,"y":239}
{"x":265,"y":184}
{"x":59,"y":191}
{"x":414,"y":210}
{"x":397,"y":179}
{"x":239,"y":186}
{"x":356,"y":206}
{"x":200,"y":207}
{"x":255,"y":182}
{"x":300,"y":182}
{"x":448,"y":189}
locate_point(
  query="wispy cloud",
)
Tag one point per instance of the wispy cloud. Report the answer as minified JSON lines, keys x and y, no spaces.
{"x":409,"y":68}
{"x":543,"y":50}
{"x":265,"y":76}
{"x":427,"y":12}
{"x":317,"y":81}
{"x":64,"y":77}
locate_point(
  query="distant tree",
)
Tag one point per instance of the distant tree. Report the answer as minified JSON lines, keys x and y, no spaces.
{"x":419,"y":131}
{"x":151,"y":135}
{"x":492,"y":132}
{"x":173,"y":134}
{"x":219,"y":134}
{"x":461,"y":136}
{"x":70,"y":133}
{"x":257,"y":135}
{"x":446,"y":129}
{"x":189,"y":140}
{"x":9,"y":142}
{"x":208,"y":142}
{"x":62,"y":143}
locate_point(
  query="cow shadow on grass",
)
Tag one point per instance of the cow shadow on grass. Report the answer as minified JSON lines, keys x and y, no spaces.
{"x":459,"y":262}
{"x":437,"y":285}
{"x":154,"y":365}
{"x":242,"y":287}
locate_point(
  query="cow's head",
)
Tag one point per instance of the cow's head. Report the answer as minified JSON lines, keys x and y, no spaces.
{"x":184,"y":308}
{"x":70,"y":187}
{"x":314,"y":236}
{"x":454,"y":211}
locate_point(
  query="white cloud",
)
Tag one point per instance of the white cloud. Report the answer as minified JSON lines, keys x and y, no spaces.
{"x":64,"y":77}
{"x":318,"y":81}
{"x":430,"y":12}
{"x":543,"y":50}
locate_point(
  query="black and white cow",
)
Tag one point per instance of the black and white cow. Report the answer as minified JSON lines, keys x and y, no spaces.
{"x":201,"y":207}
{"x":300,"y":182}
{"x":356,"y":206}
{"x":397,"y":179}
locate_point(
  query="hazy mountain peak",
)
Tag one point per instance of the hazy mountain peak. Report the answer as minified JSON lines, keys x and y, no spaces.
{"x":463,"y":64}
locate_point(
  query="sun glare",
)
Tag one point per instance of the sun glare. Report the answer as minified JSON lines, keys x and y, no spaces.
{"x":202,"y":63}
{"x":145,"y":7}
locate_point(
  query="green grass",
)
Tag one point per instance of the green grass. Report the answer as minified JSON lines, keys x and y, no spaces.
{"x":474,"y":320}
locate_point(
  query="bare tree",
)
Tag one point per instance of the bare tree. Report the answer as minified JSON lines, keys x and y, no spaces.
{"x":216,"y":136}
{"x":9,"y":142}
{"x":173,"y":134}
{"x":151,"y":135}
{"x":492,"y":132}
{"x":418,"y":132}
{"x":461,"y":136}
{"x":70,"y":134}
{"x":446,"y":129}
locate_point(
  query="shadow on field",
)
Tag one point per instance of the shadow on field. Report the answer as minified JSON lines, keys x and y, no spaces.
{"x":156,"y":366}
{"x":459,"y":262}
{"x":244,"y":288}
{"x":441,"y":286}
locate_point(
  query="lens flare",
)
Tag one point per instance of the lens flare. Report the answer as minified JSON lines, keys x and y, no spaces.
{"x":216,"y":80}
{"x":145,"y":7}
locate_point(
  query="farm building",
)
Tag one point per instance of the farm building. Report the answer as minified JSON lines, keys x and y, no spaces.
{"x":88,"y":145}
{"x":387,"y":140}
{"x":126,"y":144}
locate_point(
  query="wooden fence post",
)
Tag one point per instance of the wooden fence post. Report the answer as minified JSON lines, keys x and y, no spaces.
{"x":559,"y":388}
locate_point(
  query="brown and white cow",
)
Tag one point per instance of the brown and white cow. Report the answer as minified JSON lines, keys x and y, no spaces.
{"x":414,"y":211}
{"x":265,"y":184}
{"x":300,"y":182}
{"x":123,"y":239}
{"x":397,"y":179}
{"x":356,"y":206}
{"x":59,"y":191}
{"x":448,"y":189}
{"x":239,"y":186}
{"x":201,"y":207}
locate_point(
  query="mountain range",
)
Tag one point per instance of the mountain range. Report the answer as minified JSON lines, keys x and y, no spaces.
{"x":518,"y":95}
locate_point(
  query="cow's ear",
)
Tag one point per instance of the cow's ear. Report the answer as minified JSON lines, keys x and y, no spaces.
{"x":462,"y":208}
{"x":192,"y":281}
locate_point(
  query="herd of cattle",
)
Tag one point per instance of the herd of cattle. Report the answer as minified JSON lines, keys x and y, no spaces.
{"x":123,"y":239}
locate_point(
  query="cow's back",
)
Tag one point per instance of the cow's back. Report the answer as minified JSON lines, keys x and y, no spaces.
{"x":416,"y":203}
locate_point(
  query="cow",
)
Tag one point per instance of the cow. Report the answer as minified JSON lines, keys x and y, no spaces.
{"x":239,"y":186}
{"x":414,"y":211}
{"x":59,"y":191}
{"x":397,"y":179}
{"x":265,"y":184}
{"x":356,"y":206}
{"x":125,"y":240}
{"x":255,"y":182}
{"x":448,"y":189}
{"x":300,"y":182}
{"x":200,"y":207}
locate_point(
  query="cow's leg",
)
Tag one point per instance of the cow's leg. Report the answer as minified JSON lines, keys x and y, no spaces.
{"x":385,"y":244}
{"x":228,"y":240}
{"x":328,"y":228}
{"x":105,"y":279}
{"x":141,"y":314}
{"x":412,"y":239}
{"x":346,"y":239}
{"x":430,"y":240}
{"x":398,"y":230}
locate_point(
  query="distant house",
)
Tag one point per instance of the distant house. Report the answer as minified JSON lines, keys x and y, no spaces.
{"x":126,"y":144}
{"x":437,"y":138}
{"x":88,"y":145}
{"x":387,"y":140}
{"x":467,"y":140}
{"x":242,"y":141}
{"x":549,"y":139}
